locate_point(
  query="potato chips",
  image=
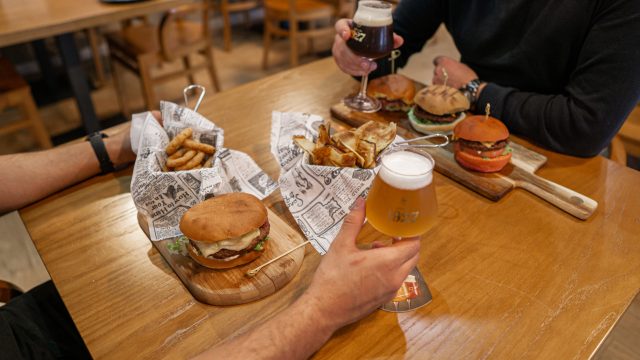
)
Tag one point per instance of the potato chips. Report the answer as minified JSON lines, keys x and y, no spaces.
{"x":357,"y":147}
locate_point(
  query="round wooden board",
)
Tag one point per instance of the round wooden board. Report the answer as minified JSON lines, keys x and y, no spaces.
{"x":232,"y":286}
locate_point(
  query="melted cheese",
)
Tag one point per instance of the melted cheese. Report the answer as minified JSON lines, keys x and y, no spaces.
{"x":236,"y":244}
{"x":488,"y":143}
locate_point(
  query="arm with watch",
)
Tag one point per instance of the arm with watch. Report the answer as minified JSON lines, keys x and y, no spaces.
{"x":29,"y":177}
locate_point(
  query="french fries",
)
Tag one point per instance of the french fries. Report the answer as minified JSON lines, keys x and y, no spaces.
{"x":359,"y":147}
{"x":185,"y":153}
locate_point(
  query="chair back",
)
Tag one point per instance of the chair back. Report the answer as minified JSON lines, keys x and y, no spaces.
{"x":178,"y":37}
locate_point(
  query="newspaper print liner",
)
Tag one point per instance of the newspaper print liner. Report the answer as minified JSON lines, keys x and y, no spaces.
{"x":163,"y":197}
{"x":318,"y":197}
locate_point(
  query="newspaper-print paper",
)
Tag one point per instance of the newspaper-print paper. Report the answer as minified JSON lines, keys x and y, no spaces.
{"x":318,"y":197}
{"x":163,"y":197}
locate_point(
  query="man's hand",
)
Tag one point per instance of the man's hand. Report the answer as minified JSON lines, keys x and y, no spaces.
{"x":459,"y":73}
{"x":347,"y":61}
{"x":350,"y":283}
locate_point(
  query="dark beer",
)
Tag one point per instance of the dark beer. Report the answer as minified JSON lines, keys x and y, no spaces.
{"x":372,"y":30}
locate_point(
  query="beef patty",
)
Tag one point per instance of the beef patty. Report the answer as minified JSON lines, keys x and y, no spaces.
{"x":427,"y":116}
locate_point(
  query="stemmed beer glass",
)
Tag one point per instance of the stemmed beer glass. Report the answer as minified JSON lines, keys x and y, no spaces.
{"x":371,"y":38}
{"x":402,"y":203}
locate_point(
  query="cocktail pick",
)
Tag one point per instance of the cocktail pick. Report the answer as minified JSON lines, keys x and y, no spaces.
{"x":394,"y":55}
{"x":487,"y":111}
{"x":193,"y":87}
{"x":254,"y":272}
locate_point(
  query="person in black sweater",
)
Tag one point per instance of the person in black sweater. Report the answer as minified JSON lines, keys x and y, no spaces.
{"x":564,"y":74}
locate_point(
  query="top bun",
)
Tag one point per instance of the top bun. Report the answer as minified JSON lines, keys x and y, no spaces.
{"x":441,"y":100}
{"x":477,"y":128}
{"x":393,"y":87}
{"x":223,"y":217}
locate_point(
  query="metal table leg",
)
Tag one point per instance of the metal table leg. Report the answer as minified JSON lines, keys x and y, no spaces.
{"x":79,"y":82}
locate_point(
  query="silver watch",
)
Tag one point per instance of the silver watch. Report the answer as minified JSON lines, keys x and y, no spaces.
{"x":470,"y":90}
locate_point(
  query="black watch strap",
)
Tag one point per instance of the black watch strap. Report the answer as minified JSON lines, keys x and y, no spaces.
{"x":101,"y":151}
{"x":471,"y":91}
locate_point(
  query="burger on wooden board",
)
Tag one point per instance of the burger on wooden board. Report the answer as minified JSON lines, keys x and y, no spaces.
{"x":226,"y":231}
{"x":481,"y":143}
{"x":395,"y":92}
{"x":438,"y":108}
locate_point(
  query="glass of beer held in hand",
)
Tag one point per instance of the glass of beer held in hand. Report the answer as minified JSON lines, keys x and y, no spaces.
{"x":402,"y":199}
{"x":371,"y":38}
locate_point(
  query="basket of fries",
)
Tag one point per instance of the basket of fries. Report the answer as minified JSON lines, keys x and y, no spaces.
{"x":323,"y":172}
{"x":182,"y":162}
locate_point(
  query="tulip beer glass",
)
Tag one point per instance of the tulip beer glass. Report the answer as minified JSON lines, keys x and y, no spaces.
{"x":401,"y":204}
{"x":371,"y":38}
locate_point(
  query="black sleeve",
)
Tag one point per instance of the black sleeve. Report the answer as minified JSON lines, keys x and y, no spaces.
{"x":416,"y":21}
{"x":603,"y":88}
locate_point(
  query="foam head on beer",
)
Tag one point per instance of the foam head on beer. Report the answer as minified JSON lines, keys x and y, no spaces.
{"x":406,"y":170}
{"x":373,"y":13}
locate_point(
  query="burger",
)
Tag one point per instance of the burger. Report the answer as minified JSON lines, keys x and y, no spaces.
{"x":395,"y":92}
{"x":226,"y":231}
{"x":438,"y":108}
{"x":480,"y":144}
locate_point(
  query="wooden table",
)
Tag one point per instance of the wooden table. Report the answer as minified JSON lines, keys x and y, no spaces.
{"x":514,"y":279}
{"x":27,"y":20}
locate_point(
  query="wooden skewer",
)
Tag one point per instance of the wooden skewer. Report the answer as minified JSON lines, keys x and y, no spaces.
{"x":487,"y":111}
{"x":252,"y":273}
{"x":446,"y":76}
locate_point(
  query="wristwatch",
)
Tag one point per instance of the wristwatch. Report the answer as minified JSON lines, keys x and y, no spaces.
{"x":470,"y":90}
{"x":106,"y":165}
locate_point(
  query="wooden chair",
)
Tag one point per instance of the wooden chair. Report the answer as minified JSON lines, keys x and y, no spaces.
{"x":145,"y":46}
{"x":15,"y":92}
{"x":293,"y":13}
{"x":627,"y":141}
{"x":226,"y":8}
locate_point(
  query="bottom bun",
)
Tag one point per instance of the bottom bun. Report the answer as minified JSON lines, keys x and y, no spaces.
{"x":434,"y":128}
{"x":483,"y":165}
{"x":221,"y":264}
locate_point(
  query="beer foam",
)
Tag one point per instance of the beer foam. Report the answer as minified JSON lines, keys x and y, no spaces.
{"x":406,"y":170}
{"x":373,"y":13}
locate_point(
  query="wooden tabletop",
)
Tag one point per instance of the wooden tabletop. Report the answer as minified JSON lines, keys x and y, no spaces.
{"x":26,"y":20}
{"x":514,"y":279}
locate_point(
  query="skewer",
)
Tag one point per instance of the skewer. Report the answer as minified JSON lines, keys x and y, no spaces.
{"x":254,"y":272}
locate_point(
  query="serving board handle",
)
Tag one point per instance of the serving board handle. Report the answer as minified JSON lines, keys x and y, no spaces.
{"x":566,"y":199}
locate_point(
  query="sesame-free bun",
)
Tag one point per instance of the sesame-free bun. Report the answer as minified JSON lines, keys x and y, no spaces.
{"x":441,"y":100}
{"x":477,"y":128}
{"x":223,"y":217}
{"x":393,"y":87}
{"x":213,"y":263}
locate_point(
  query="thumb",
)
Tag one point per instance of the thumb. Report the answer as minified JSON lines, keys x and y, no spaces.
{"x":352,"y":224}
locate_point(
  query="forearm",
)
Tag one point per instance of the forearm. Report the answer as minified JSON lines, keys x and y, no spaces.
{"x":28,"y":177}
{"x":295,"y":333}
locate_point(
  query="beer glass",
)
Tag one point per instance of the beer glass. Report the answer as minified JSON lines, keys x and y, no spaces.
{"x":371,"y":38}
{"x":402,"y":203}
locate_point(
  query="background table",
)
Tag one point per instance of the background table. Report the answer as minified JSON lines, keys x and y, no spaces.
{"x":26,"y":20}
{"x":514,"y":279}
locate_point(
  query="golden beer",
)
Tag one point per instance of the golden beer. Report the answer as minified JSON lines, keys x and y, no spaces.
{"x":402,"y":199}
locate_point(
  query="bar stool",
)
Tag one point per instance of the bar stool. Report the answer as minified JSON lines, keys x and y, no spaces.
{"x":15,"y":92}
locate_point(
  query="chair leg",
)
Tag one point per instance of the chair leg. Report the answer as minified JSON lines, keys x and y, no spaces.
{"x":212,"y":67}
{"x":187,"y":65}
{"x":147,"y":85}
{"x":39,"y":131}
{"x":226,"y":30}
{"x":266,"y":44}
{"x":119,"y":90}
{"x":293,"y":39}
{"x":92,"y":35}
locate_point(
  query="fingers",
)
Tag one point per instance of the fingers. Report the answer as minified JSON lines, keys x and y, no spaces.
{"x":400,"y":251}
{"x":397,"y":41}
{"x":352,"y":224}
{"x":343,"y":29}
{"x":156,"y":114}
{"x":407,"y":266}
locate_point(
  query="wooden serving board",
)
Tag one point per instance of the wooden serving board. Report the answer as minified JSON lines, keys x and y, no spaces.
{"x":518,"y":173}
{"x":232,"y":286}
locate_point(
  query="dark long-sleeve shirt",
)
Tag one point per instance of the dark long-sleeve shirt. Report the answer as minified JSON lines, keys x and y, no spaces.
{"x":563,"y":73}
